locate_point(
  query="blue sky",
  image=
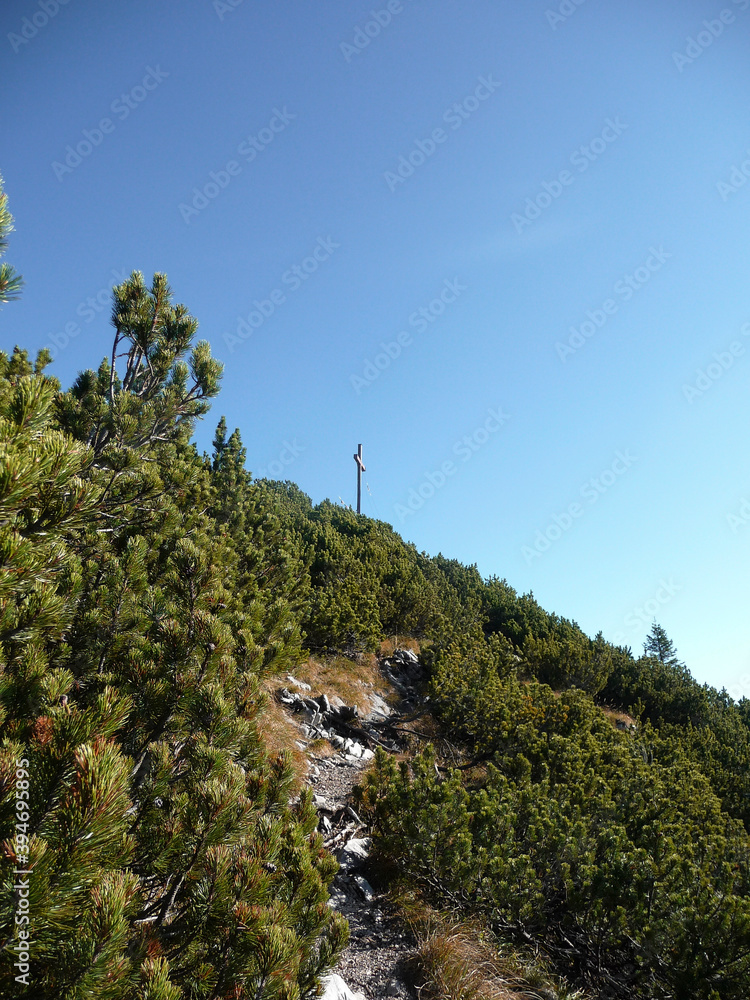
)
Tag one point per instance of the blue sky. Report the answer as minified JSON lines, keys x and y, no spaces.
{"x":503,"y":245}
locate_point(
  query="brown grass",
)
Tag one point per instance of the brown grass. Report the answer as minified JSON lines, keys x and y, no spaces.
{"x":460,"y":960}
{"x":346,"y":679}
{"x":390,"y":645}
{"x":280,"y":732}
{"x":349,"y":680}
{"x":615,"y":716}
{"x":456,"y":966}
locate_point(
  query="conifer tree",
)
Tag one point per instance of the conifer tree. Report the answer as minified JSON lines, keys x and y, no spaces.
{"x":154,"y":399}
{"x":231,"y":479}
{"x":167,"y":859}
{"x":10,"y":280}
{"x":574,"y":662}
{"x":270,"y":576}
{"x":71,"y":831}
{"x":659,"y":645}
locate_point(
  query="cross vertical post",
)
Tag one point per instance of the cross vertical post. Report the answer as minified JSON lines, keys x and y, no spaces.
{"x":360,"y":470}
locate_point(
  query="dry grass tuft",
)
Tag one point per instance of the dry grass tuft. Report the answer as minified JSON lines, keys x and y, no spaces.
{"x":455,"y":966}
{"x":390,"y":645}
{"x":280,"y":733}
{"x":460,"y":960}
{"x":614,"y":716}
{"x":350,"y":680}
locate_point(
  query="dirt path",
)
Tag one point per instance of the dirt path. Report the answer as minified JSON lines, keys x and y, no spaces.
{"x":375,"y":960}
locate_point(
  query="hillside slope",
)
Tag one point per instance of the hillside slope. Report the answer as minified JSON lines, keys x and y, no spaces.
{"x":147,"y":596}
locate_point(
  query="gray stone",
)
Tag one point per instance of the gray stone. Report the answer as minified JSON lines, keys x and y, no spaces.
{"x":286,"y":697}
{"x":336,"y":989}
{"x":354,"y":852}
{"x":353,"y":748}
{"x":366,"y":890}
{"x":300,"y":684}
{"x":314,"y":719}
{"x":405,"y":656}
{"x":347,"y":712}
{"x":337,"y":899}
{"x":379,"y":709}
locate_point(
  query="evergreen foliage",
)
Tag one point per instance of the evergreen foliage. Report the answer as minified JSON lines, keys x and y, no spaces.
{"x":145,"y":593}
{"x":659,"y":645}
{"x":614,"y":855}
{"x":10,"y":281}
{"x":167,"y":860}
{"x":153,"y":400}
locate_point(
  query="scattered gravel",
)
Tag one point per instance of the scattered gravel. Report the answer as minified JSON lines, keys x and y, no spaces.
{"x":376,"y":958}
{"x":379,"y":947}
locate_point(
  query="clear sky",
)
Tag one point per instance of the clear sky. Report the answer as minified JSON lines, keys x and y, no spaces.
{"x":504,"y":245}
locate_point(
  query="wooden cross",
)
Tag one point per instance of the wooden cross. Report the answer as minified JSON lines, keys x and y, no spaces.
{"x":360,"y":470}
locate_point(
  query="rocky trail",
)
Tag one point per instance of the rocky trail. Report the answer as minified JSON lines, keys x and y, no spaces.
{"x":376,"y":959}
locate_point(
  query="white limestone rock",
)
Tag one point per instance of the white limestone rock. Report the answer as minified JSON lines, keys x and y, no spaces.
{"x":336,"y":989}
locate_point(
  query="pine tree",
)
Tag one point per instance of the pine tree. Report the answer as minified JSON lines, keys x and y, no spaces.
{"x":271,"y":579}
{"x":659,"y":645}
{"x":71,"y":830}
{"x":10,"y":280}
{"x":231,"y":479}
{"x":153,"y":400}
{"x":574,"y":662}
{"x":167,"y":859}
